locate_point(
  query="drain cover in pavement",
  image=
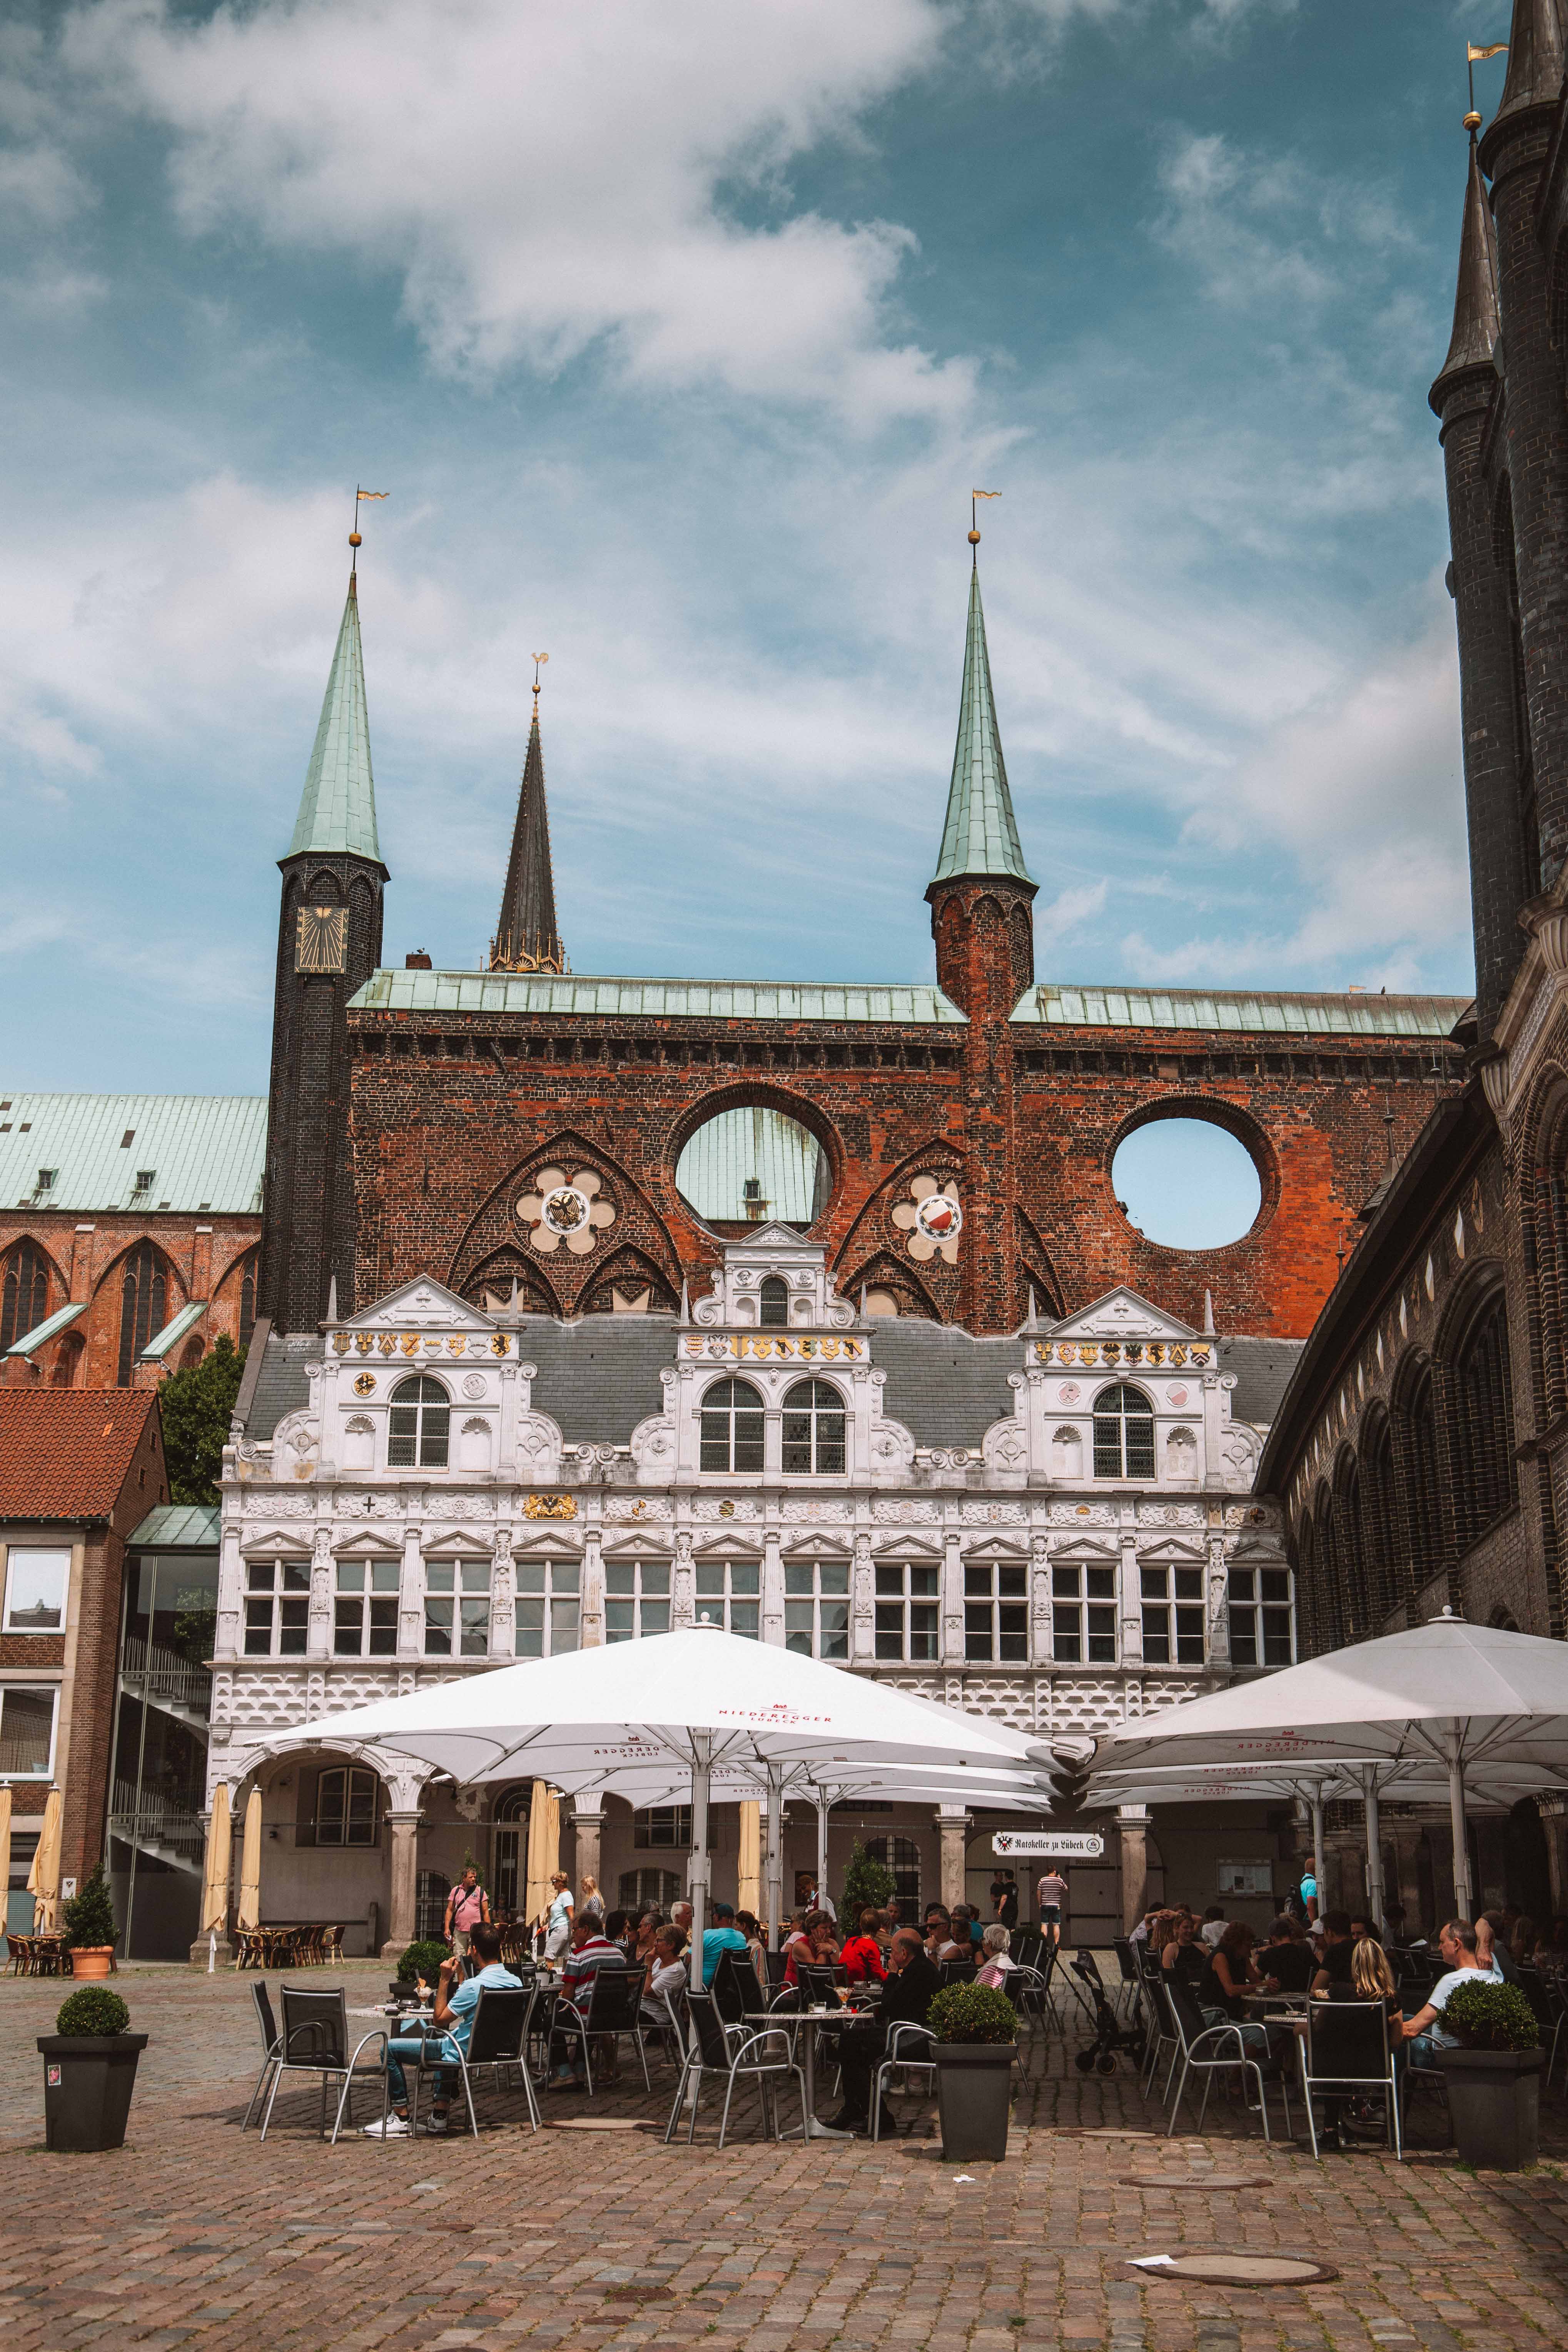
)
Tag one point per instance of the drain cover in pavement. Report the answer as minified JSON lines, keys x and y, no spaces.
{"x":1199,"y":2181}
{"x":1244,"y":2269}
{"x":601,"y":2122}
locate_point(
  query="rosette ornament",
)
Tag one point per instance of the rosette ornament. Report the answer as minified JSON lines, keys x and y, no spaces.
{"x":933,"y":1219}
{"x":565,"y":1209}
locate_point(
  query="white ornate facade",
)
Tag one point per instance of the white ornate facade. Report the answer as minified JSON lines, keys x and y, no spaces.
{"x":426,"y":1514}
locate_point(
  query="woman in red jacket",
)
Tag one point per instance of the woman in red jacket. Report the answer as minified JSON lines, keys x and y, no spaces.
{"x":862,"y":1955}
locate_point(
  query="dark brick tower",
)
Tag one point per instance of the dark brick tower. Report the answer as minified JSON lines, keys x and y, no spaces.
{"x":1534,"y":421}
{"x":527,"y":936}
{"x":981,"y":922}
{"x":1494,"y":727}
{"x":329,"y":943}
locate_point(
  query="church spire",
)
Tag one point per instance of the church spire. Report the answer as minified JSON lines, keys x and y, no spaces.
{"x":337,"y":807}
{"x":981,"y":835}
{"x":526,"y":936}
{"x":1476,"y":319}
{"x":1534,"y":59}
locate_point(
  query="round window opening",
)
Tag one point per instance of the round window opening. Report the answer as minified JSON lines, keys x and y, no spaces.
{"x":1186,"y":1183}
{"x":753,"y":1167}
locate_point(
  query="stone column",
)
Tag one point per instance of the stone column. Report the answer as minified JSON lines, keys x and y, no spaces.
{"x":587,"y":1824}
{"x":404,"y":1903}
{"x":590,"y":1623}
{"x":1133,"y":1837}
{"x":773,"y":1597}
{"x":951,"y":1619}
{"x":1130,"y":1594}
{"x":953,"y":1822}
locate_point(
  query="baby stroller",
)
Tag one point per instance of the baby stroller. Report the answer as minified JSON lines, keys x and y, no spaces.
{"x":1110,"y":2035}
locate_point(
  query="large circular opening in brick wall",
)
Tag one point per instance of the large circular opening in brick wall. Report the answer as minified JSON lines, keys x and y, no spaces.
{"x":1186,"y":1183}
{"x":754,"y":1166}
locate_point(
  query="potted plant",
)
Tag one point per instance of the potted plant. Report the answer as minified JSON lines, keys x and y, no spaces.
{"x":420,"y":1964}
{"x":90,"y":2072}
{"x":1494,"y":2077}
{"x":977,"y":2042}
{"x":88,"y":1928}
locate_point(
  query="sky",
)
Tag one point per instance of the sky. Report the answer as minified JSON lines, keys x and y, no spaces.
{"x":679,"y":336}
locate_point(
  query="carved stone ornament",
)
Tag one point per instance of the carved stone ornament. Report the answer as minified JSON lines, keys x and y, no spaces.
{"x":549,"y":1507}
{"x":365,"y":1384}
{"x":932,"y":1218}
{"x":473,"y":1384}
{"x":565,"y":1209}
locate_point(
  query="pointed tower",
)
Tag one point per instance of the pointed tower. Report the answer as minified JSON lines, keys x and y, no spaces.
{"x":981,"y":892}
{"x":980,"y":900}
{"x":1494,"y":734}
{"x":1532,"y":515}
{"x":526,"y":936}
{"x":329,"y":943}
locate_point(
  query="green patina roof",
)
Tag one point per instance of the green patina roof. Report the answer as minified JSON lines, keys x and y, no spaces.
{"x":1274,"y":1014}
{"x":981,"y":836}
{"x":337,"y":808}
{"x":202,"y":1152}
{"x":178,"y":1527}
{"x":697,"y":999}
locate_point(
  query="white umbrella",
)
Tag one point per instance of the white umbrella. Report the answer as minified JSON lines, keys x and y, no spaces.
{"x":1458,"y":1699}
{"x":592,"y":1718}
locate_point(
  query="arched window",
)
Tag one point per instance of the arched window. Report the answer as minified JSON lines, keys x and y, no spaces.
{"x":814,"y":1428}
{"x":1483,"y":1424}
{"x":248,"y":1300}
{"x":420,"y":1426}
{"x":1421,"y":1482}
{"x":509,"y":1885}
{"x":1123,"y":1435}
{"x":776,"y":1301}
{"x":1332,"y":1606}
{"x":1377,"y":1516}
{"x":144,"y":1305}
{"x":1353,"y":1563}
{"x":636,"y":1890}
{"x":731,"y":1427}
{"x":902,"y":1855}
{"x":24,"y":1294}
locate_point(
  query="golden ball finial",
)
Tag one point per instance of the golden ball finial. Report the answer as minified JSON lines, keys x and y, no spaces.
{"x":1472,"y":121}
{"x":354,"y":539}
{"x":975,"y":538}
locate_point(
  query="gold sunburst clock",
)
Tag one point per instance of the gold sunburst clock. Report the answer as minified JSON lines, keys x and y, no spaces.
{"x":321,"y":942}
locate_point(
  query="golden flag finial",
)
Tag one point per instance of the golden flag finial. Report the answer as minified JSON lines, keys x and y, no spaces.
{"x":354,"y":539}
{"x":974,"y":496}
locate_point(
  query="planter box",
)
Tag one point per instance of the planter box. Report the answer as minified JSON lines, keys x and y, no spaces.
{"x":975,"y":2099}
{"x":91,"y":1959}
{"x":1494,"y":2101}
{"x":87,"y":2082}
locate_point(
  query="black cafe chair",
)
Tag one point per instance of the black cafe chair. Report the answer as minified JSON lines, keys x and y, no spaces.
{"x":315,"y":2040}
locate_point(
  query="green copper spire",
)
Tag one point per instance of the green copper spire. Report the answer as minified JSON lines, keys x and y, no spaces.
{"x":981,"y":836}
{"x":337,"y":808}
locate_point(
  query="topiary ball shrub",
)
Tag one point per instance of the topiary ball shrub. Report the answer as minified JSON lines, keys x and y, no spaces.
{"x":422,"y":1959}
{"x":1491,"y":2017}
{"x":972,"y":2012}
{"x":93,"y":2010}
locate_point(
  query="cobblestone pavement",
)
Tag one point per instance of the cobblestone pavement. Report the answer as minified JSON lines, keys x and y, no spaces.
{"x":193,"y":2235}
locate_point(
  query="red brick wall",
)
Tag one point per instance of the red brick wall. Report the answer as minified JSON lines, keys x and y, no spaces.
{"x":450,"y":1119}
{"x":205,"y":1262}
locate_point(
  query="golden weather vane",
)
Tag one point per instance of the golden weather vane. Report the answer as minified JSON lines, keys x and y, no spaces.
{"x":1473,"y":57}
{"x":537,"y":659}
{"x":974,"y":496}
{"x":354,"y":540}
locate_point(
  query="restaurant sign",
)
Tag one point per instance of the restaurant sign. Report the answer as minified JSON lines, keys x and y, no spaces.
{"x":1056,"y":1845}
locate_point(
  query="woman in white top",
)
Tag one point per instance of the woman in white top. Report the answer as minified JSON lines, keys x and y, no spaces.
{"x":556,"y":1917}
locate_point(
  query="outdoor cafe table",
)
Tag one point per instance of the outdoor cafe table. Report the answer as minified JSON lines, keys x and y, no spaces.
{"x":829,"y":2020}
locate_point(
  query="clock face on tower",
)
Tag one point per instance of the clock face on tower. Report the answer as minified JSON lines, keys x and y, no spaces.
{"x":321,"y":944}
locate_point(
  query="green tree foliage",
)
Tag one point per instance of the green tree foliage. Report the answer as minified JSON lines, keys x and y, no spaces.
{"x":93,"y":2009}
{"x":867,"y":1885}
{"x":196,"y":1407}
{"x":87,"y":1922}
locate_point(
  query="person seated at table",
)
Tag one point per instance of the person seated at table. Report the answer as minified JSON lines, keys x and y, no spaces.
{"x":1184,"y":1955}
{"x":751,"y":1927}
{"x":1213,"y":1925}
{"x":1338,"y":1947}
{"x":912,"y":1984}
{"x":795,"y":1933}
{"x":453,"y":2017}
{"x":960,"y":1943}
{"x":618,"y":1929}
{"x":1364,"y":1924}
{"x":1287,"y":1962}
{"x":996,"y":1966}
{"x":862,"y":1955}
{"x":938,"y":1927}
{"x":1228,"y":1974}
{"x":1457,"y":1943}
{"x":1525,"y":1941}
{"x":591,"y":1951}
{"x":1371,"y":1979}
{"x":647,"y":1935}
{"x":723,"y":1936}
{"x":1144,"y":1932}
{"x":1492,"y":1948}
{"x":667,"y":1975}
{"x":818,"y":1947}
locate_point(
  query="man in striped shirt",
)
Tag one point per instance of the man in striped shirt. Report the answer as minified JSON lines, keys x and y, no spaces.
{"x":591,"y":1951}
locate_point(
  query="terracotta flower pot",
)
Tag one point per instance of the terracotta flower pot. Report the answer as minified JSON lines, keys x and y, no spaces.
{"x":91,"y":1959}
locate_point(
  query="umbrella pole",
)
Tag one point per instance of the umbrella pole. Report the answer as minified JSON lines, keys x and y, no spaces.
{"x":1462,"y":1896}
{"x":821,"y":1812}
{"x":775,"y":1880}
{"x":697,"y":1873}
{"x":1373,"y":1844}
{"x":1317,"y":1803}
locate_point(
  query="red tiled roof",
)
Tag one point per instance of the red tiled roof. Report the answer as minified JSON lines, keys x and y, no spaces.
{"x":65,"y":1453}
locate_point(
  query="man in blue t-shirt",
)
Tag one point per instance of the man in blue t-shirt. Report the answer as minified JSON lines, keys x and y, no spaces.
{"x":723,"y":1936}
{"x":453,"y":2018}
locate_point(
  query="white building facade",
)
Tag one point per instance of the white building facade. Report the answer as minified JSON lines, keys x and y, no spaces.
{"x":1055,"y":1528}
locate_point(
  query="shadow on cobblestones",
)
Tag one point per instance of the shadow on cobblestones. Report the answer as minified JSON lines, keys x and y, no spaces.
{"x":194,"y":2234}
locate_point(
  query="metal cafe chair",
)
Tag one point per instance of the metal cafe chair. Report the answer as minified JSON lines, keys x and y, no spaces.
{"x":956,"y":1971}
{"x":761,"y":2058}
{"x":904,"y":2043}
{"x":736,"y":1992}
{"x":1211,"y":2050}
{"x":315,"y":2040}
{"x":498,"y":2042}
{"x":268,"y":2025}
{"x":614,"y":2009}
{"x":1160,"y":2027}
{"x":1345,"y":2053}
